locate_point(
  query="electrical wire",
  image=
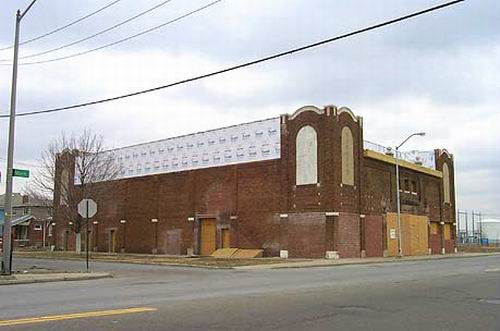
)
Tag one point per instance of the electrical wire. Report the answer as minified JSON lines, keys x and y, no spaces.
{"x":240,"y":66}
{"x":64,"y":26}
{"x":22,"y":163}
{"x":124,"y":39}
{"x":76,"y":42}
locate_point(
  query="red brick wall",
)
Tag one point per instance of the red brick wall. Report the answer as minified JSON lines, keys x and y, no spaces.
{"x":347,"y":235}
{"x":306,"y":234}
{"x":449,"y":246}
{"x":256,"y":193}
{"x":249,"y":191}
{"x":328,"y":194}
{"x":435,"y":243}
{"x":374,"y":235}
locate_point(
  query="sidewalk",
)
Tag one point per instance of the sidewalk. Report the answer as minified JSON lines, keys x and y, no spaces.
{"x":241,"y":264}
{"x":359,"y":261}
{"x":29,"y":278}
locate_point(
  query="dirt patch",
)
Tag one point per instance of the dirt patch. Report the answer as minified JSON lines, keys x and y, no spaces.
{"x":474,"y":248}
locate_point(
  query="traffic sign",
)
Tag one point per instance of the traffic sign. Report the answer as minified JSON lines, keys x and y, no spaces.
{"x":20,"y":173}
{"x":87,"y":208}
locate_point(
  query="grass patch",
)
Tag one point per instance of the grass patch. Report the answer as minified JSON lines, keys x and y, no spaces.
{"x":210,"y":262}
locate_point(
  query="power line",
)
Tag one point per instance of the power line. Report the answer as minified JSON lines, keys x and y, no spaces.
{"x":128,"y":20}
{"x":64,"y":26}
{"x":243,"y":65}
{"x":124,"y":39}
{"x":24,"y":163}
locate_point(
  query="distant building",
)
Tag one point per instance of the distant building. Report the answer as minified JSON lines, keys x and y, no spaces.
{"x":300,"y":185}
{"x":31,"y":220}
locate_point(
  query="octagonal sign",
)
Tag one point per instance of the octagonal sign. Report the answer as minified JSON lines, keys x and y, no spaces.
{"x":87,"y":208}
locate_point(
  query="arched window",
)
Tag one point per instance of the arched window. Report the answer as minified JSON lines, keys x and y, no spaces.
{"x":347,"y":150}
{"x":64,"y":187}
{"x":446,"y":183}
{"x":306,"y":156}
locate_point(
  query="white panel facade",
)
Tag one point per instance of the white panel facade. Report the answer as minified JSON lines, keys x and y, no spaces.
{"x":249,"y":142}
{"x":427,"y":158}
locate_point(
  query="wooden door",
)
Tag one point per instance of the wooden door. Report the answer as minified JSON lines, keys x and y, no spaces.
{"x":208,"y":237}
{"x":226,"y":239}
{"x":112,"y":241}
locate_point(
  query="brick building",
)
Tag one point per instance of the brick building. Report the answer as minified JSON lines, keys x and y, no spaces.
{"x":304,"y":185}
{"x":30,"y":219}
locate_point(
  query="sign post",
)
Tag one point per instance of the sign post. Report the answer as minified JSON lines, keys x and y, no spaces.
{"x":87,"y":208}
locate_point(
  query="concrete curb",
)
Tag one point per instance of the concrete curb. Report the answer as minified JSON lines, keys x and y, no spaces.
{"x":48,"y":278}
{"x":340,"y":263}
{"x":278,"y":265}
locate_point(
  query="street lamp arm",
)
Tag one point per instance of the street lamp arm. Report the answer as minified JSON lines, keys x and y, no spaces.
{"x":408,"y":138}
{"x":27,"y":9}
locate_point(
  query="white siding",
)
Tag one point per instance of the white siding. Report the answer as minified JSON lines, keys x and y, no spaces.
{"x":249,"y":142}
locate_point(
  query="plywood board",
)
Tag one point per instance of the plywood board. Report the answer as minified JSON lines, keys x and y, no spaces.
{"x":208,"y":237}
{"x":414,"y":234}
{"x":248,"y":253}
{"x":224,"y":252}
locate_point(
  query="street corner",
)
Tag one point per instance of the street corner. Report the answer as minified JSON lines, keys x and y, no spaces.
{"x":30,"y":278}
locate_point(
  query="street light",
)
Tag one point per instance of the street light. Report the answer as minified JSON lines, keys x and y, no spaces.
{"x":7,"y":249}
{"x":398,"y":202}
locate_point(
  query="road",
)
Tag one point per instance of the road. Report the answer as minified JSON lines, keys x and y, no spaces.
{"x":450,"y":294}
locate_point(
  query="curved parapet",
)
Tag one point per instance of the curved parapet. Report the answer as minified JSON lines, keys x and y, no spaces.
{"x":306,"y":109}
{"x":445,"y":153}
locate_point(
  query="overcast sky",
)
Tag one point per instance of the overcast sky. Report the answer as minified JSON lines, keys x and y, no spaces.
{"x":439,"y":73}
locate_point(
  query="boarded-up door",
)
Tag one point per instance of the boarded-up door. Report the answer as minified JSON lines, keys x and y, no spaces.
{"x":208,"y":237}
{"x":419,"y":239}
{"x":226,"y":239}
{"x":173,"y":242}
{"x":112,"y":241}
{"x":414,"y":236}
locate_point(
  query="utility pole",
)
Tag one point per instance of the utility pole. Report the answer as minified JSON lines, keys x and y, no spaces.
{"x":7,"y":231}
{"x":398,"y":199}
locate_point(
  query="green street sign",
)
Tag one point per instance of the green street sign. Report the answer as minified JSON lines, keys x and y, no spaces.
{"x":20,"y":173}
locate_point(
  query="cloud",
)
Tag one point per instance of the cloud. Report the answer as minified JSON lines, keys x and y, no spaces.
{"x":437,"y":73}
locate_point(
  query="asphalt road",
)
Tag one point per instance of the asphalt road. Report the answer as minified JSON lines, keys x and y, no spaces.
{"x":451,"y":294}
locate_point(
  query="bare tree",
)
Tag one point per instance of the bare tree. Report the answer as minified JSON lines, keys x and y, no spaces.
{"x":74,"y":168}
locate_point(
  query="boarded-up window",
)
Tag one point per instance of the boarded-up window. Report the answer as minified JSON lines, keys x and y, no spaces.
{"x":447,"y":231}
{"x":347,"y":157}
{"x":446,"y":183}
{"x":306,"y":156}
{"x":434,"y":228}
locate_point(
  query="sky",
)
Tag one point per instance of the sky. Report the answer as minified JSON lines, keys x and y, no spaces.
{"x":438,"y":73}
